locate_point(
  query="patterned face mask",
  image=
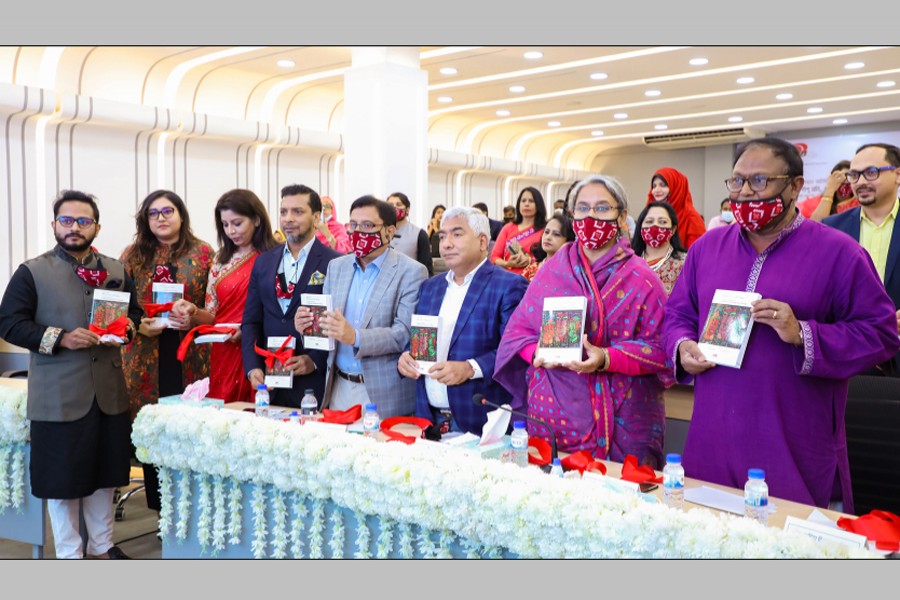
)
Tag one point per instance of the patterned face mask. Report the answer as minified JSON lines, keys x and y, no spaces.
{"x":655,"y":236}
{"x":365,"y":243}
{"x":595,"y":233}
{"x":753,"y":215}
{"x":401,"y":214}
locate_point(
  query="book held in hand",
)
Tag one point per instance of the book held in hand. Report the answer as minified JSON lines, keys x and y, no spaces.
{"x":424,"y":340}
{"x":164,"y":293}
{"x":562,"y":329}
{"x":279,"y":376}
{"x":108,"y":306}
{"x":313,"y":337}
{"x":217,"y":337}
{"x":727,"y":329}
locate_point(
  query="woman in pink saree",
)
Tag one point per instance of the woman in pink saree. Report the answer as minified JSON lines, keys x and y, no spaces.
{"x":610,"y":402}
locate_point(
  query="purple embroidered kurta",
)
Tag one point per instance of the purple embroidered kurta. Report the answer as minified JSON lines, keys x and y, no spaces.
{"x":625,"y":406}
{"x":783,"y":410}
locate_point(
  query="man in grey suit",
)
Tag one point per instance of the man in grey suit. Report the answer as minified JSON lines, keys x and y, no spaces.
{"x":374,"y":293}
{"x":77,"y":401}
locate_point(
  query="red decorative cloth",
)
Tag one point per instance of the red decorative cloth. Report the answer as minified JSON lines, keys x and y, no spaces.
{"x":92,"y":277}
{"x":281,"y":355}
{"x":638,"y":474}
{"x":154,"y":309}
{"x":163,"y":274}
{"x":582,"y":461}
{"x":198,"y":330}
{"x":342,"y":417}
{"x":396,"y":436}
{"x":880,"y":526}
{"x":543,"y":448}
{"x":119,"y":327}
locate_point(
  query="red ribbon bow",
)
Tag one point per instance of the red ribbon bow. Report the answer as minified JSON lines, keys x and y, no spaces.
{"x":198,"y":330}
{"x":119,"y":328}
{"x":583,"y":461}
{"x":342,"y":417}
{"x":638,"y":474}
{"x":92,"y":277}
{"x":396,"y":436}
{"x":281,"y":355}
{"x":880,"y":526}
{"x":154,"y":309}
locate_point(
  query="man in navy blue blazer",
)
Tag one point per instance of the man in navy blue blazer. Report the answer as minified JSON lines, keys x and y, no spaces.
{"x":875,"y":176}
{"x":278,"y":278}
{"x":474,"y":300}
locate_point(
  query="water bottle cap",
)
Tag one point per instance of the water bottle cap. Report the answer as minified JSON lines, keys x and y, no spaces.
{"x":519,"y":425}
{"x":557,"y":462}
{"x":756,"y":474}
{"x":371,"y":407}
{"x":294,"y":413}
{"x":262,"y":387}
{"x":310,"y":392}
{"x":673,"y":458}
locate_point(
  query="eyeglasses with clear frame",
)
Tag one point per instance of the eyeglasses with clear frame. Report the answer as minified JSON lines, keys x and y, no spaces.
{"x":757,"y":182}
{"x":871,"y":174}
{"x":601,"y":211}
{"x":165,"y":212}
{"x":83,"y":222}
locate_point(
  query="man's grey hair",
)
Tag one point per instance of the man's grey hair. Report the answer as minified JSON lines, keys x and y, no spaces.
{"x":476,"y":219}
{"x":610,"y":183}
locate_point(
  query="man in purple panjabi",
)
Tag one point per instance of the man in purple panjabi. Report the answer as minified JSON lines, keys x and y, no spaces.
{"x":824,"y":316}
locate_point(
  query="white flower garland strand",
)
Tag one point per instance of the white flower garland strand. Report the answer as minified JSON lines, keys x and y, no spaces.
{"x":446,"y":540}
{"x":166,"y":509}
{"x":17,"y":476}
{"x":183,"y":509}
{"x":14,"y":431}
{"x":363,"y":536}
{"x":260,"y":531}
{"x":336,"y":543}
{"x":5,"y":488}
{"x":385,"y":537}
{"x":471,"y":549}
{"x":297,"y":527}
{"x":426,"y":544}
{"x":279,"y":522}
{"x":483,"y":501}
{"x":219,"y":515}
{"x":235,"y":500}
{"x":204,"y":519}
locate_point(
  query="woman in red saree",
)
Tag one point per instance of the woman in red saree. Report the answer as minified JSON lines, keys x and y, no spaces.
{"x":244,"y":231}
{"x":512,"y":250}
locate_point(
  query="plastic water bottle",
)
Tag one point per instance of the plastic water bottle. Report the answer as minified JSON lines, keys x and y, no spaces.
{"x":371,"y":420}
{"x":262,"y":400}
{"x":295,"y":417}
{"x":557,"y":470}
{"x":519,"y":443}
{"x":756,"y":496}
{"x":308,"y":405}
{"x":673,"y":482}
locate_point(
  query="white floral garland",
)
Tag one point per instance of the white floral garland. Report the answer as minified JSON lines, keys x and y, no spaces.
{"x":166,"y":510}
{"x":14,"y":431}
{"x":279,"y":523}
{"x":219,"y":515}
{"x":500,"y":507}
{"x":300,"y":512}
{"x":260,"y":530}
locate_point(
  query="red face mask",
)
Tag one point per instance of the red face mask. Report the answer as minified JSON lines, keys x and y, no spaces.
{"x":753,"y":215}
{"x":655,"y":236}
{"x":365,"y":243}
{"x":401,"y":213}
{"x":845,"y":191}
{"x":594,"y":233}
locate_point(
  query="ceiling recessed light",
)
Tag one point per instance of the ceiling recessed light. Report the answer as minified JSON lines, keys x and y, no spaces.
{"x":814,"y":110}
{"x":660,"y":126}
{"x":652,"y":93}
{"x":854,"y":65}
{"x":886,"y":84}
{"x":699,"y":61}
{"x":840,"y":121}
{"x":599,"y":76}
{"x":448,"y":71}
{"x":533,"y":55}
{"x":597,"y":132}
{"x":286,"y":63}
{"x":517,"y":89}
{"x":553,"y":123}
{"x":620,"y":116}
{"x":445,"y":99}
{"x":735,"y":119}
{"x":784,"y":96}
{"x":503,"y":113}
{"x":745,"y":80}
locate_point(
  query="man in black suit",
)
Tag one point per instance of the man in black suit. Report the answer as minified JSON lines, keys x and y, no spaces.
{"x":875,"y":176}
{"x":494,"y":224}
{"x":278,"y":278}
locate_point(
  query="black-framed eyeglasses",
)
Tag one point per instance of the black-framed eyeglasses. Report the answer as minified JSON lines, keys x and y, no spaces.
{"x":166,"y":212}
{"x":757,"y":182}
{"x":871,"y":174}
{"x":82,"y":221}
{"x":365,"y":226}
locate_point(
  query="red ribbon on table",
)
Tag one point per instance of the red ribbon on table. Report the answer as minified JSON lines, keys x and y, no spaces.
{"x":154,"y":309}
{"x":880,"y":526}
{"x":118,"y":327}
{"x":543,"y":448}
{"x":281,"y":355}
{"x":199,"y":330}
{"x":583,"y":461}
{"x":396,"y":436}
{"x":342,"y":417}
{"x":638,"y":474}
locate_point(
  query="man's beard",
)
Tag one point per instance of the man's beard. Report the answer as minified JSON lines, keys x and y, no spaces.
{"x":294,"y":239}
{"x":74,"y":242}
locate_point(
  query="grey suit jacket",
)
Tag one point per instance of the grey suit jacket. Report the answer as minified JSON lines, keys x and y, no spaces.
{"x":385,"y":329}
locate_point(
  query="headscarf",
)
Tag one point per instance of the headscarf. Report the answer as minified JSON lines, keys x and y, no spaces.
{"x":690,"y":223}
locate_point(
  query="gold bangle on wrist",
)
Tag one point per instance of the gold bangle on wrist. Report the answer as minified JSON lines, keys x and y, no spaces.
{"x":828,"y":198}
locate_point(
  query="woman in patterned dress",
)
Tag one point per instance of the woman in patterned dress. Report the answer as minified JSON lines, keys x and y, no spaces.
{"x":658,"y":242}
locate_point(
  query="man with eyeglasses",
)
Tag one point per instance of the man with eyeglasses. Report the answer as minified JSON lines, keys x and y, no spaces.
{"x":875,"y":177}
{"x":824,"y":316}
{"x":374,"y":293}
{"x":77,"y":400}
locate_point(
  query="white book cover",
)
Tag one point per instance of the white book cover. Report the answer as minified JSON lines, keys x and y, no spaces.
{"x":279,"y":376}
{"x":313,"y":338}
{"x":562,"y":329}
{"x":106,"y":307}
{"x":424,"y":334}
{"x":210,"y":338}
{"x":727,"y":328}
{"x":163,"y":293}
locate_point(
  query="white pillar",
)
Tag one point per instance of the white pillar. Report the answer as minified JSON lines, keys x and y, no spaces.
{"x":386,"y":127}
